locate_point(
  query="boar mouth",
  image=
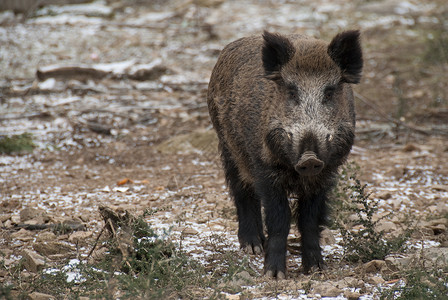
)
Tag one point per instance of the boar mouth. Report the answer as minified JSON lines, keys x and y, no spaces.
{"x":309,"y":164}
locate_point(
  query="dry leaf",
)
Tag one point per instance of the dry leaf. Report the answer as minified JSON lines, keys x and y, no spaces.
{"x":124,"y":181}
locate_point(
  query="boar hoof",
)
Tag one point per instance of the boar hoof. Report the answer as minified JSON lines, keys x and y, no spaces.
{"x":255,"y":249}
{"x":316,"y":268}
{"x":273,"y":274}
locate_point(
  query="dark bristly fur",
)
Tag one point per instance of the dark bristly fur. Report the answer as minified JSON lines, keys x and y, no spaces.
{"x":283,"y":110}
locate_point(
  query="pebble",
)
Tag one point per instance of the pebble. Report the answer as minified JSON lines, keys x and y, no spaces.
{"x":374,"y":266}
{"x":33,"y":262}
{"x":39,"y":296}
{"x":326,"y":289}
{"x":375,"y":280}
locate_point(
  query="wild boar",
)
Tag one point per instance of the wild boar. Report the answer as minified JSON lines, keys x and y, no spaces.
{"x":283,"y":110}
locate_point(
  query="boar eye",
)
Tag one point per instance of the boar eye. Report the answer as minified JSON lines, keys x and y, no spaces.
{"x":293,"y":92}
{"x":329,"y":93}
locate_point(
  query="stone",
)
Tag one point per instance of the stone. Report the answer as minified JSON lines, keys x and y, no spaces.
{"x":394,"y":263}
{"x":385,"y":195}
{"x":4,"y":218}
{"x":326,"y":289}
{"x":51,"y":248}
{"x":436,"y":256}
{"x":23,"y":235}
{"x":350,"y":282}
{"x":386,"y":226}
{"x":40,"y":296}
{"x":15,"y":219}
{"x":29,"y":213}
{"x":33,"y":262}
{"x":79,"y":237}
{"x":188,"y":231}
{"x":240,"y":279}
{"x":46,"y":236}
{"x":327,"y":237}
{"x":375,"y":280}
{"x":374,"y":266}
{"x":410,"y":148}
{"x":352,"y":295}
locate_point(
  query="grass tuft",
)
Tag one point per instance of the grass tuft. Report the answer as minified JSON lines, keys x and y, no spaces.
{"x":139,"y":263}
{"x":16,"y":143}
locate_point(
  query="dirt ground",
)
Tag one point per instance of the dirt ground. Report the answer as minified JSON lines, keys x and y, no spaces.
{"x":115,"y":90}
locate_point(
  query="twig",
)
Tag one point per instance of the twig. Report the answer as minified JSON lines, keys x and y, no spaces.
{"x":96,"y":242}
{"x":57,"y":226}
{"x":389,"y":118}
{"x":41,"y":114}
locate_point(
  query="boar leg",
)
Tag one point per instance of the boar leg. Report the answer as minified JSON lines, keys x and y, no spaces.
{"x":278,"y":216}
{"x":311,"y":215}
{"x":248,"y":207}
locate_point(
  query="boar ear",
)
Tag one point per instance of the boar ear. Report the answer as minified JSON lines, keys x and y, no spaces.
{"x":345,"y":50}
{"x":277,"y":51}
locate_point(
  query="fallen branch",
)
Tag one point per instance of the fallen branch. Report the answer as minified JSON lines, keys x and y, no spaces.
{"x":397,"y":122}
{"x":41,"y":114}
{"x":63,"y":227}
{"x":118,"y":70}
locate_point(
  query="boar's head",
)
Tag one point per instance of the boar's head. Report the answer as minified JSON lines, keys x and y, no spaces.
{"x":311,"y":116}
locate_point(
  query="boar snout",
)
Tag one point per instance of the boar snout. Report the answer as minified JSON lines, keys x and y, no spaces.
{"x":309,"y":164}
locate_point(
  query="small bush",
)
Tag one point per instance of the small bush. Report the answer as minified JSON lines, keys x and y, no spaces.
{"x":420,"y":284}
{"x":436,"y":47}
{"x":16,"y":143}
{"x":366,"y":243}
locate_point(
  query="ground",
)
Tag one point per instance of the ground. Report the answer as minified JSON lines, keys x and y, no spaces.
{"x":113,"y":95}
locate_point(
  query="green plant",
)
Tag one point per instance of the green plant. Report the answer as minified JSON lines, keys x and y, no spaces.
{"x":139,"y":263}
{"x":420,"y":284}
{"x":436,"y":51}
{"x":366,"y":243}
{"x":16,"y":143}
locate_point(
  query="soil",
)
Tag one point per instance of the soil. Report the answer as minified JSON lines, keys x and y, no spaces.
{"x":147,"y":143}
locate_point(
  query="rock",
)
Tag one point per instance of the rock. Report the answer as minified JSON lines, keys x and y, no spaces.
{"x":9,"y":205}
{"x":374,"y":266}
{"x":188,"y":231}
{"x":29,"y":213}
{"x":410,"y":147}
{"x":7,"y":224}
{"x":4,"y":218}
{"x":351,"y":295}
{"x":46,"y":236}
{"x":436,"y":256}
{"x":326,"y":289}
{"x":386,"y":226}
{"x":240,"y":279}
{"x":395,"y":263}
{"x":15,"y":219}
{"x":375,"y":280}
{"x":79,"y":237}
{"x":40,"y":296}
{"x":23,"y":235}
{"x":350,"y":282}
{"x":232,"y":297}
{"x":33,"y":262}
{"x":327,"y":237}
{"x":51,"y":248}
{"x":385,"y":195}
